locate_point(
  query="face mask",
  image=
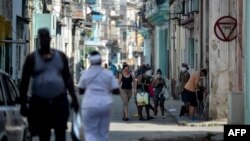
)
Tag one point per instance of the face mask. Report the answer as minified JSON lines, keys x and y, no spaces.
{"x":183,"y":69}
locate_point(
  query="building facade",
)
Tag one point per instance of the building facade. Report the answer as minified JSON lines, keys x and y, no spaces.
{"x":197,"y":39}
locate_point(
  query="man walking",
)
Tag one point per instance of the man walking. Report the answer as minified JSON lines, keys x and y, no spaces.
{"x":183,"y":79}
{"x":48,"y":106}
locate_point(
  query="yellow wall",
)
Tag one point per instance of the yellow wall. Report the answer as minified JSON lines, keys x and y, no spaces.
{"x":5,"y":30}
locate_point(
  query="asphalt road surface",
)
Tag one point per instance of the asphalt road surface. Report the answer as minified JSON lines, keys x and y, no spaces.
{"x":157,"y":128}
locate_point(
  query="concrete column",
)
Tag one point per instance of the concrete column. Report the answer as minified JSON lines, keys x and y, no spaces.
{"x":156,"y":45}
{"x":247,"y":61}
{"x":222,"y":61}
{"x":147,"y":51}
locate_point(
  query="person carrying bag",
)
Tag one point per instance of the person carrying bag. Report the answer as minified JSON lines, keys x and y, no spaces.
{"x":142,"y":97}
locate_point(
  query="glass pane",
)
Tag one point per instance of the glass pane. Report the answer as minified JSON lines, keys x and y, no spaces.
{"x":195,"y":5}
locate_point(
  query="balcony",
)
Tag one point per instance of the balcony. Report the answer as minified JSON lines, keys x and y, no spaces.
{"x":134,"y":3}
{"x":90,"y":1}
{"x":157,"y":11}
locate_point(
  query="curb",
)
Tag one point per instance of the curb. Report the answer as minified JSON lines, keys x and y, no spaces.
{"x":184,"y":121}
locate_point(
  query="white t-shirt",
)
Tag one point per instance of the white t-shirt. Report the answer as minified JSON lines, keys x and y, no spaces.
{"x":98,"y":84}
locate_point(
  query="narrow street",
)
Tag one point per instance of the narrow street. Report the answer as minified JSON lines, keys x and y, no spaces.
{"x":194,"y":53}
{"x":158,"y":128}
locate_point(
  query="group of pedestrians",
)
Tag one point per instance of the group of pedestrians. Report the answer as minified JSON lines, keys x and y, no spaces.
{"x":142,"y":80}
{"x":46,"y":104}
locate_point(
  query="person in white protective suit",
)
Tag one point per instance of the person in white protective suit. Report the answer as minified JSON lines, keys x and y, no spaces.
{"x":97,"y":84}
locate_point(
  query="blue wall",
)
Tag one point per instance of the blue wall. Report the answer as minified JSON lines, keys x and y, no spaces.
{"x":163,"y":53}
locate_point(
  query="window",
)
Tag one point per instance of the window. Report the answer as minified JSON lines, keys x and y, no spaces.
{"x":195,"y":6}
{"x":190,"y":6}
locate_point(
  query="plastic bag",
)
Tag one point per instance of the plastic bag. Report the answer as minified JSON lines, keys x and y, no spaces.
{"x":142,"y":98}
{"x":165,"y":93}
{"x":76,"y":127}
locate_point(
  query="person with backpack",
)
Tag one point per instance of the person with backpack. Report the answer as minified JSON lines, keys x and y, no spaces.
{"x":48,"y":106}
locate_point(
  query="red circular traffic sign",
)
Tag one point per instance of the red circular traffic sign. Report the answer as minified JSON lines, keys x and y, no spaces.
{"x":225,"y":28}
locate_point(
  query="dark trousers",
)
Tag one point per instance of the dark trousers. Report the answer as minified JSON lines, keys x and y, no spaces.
{"x":140,"y":111}
{"x":47,"y":114}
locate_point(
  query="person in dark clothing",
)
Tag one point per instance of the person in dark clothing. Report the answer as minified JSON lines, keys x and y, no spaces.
{"x":159,"y":99}
{"x":48,"y":106}
{"x":142,"y":86}
{"x":183,"y":78}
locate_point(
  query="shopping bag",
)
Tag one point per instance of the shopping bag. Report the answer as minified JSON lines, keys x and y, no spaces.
{"x":142,"y":98}
{"x":76,"y":127}
{"x":164,"y":93}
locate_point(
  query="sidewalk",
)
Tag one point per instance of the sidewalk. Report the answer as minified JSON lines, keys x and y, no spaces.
{"x":173,"y":108}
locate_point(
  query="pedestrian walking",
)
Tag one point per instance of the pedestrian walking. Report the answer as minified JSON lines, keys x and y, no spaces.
{"x":142,"y":87}
{"x":149,"y":85}
{"x":159,"y":99}
{"x":183,"y":79}
{"x":126,"y":82}
{"x":191,"y":88}
{"x":106,"y":66}
{"x":97,"y":84}
{"x":48,"y":106}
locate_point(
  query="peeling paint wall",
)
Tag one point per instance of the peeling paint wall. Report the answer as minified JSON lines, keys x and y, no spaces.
{"x":223,"y":63}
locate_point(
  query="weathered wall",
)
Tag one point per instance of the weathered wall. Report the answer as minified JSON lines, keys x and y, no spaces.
{"x":247,"y":60}
{"x":222,"y":61}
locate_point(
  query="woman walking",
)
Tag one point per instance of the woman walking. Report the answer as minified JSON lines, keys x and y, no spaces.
{"x":142,"y":86}
{"x":97,"y":84}
{"x":126,"y":81}
{"x":159,"y":99}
